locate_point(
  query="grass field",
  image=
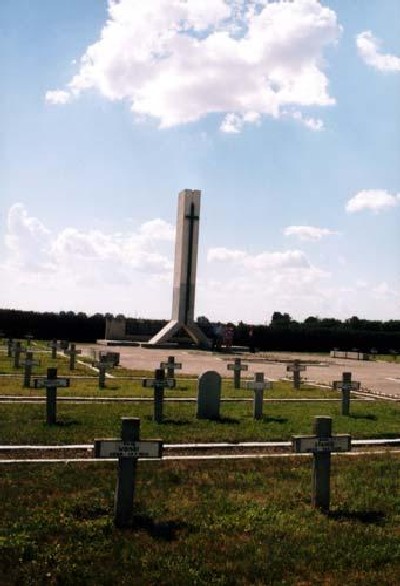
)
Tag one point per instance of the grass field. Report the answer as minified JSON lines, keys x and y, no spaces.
{"x":227,"y":523}
{"x":25,"y":423}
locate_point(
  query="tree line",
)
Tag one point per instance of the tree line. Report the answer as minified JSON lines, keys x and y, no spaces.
{"x":281,"y":333}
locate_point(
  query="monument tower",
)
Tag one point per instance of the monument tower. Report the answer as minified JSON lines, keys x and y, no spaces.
{"x":186,"y":249}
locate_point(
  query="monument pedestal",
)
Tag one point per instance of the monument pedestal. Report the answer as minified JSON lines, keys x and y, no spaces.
{"x":173,"y":327}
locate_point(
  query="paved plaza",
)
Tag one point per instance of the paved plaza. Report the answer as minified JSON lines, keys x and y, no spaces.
{"x":377,"y":376}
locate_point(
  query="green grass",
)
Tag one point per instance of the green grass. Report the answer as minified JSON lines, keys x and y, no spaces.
{"x":116,"y":387}
{"x":25,"y":423}
{"x":228,"y":523}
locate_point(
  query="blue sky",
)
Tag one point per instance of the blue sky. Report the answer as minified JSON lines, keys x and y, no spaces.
{"x":285,"y":114}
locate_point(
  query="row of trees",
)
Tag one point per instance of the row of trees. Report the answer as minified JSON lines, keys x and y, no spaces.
{"x":282,"y":333}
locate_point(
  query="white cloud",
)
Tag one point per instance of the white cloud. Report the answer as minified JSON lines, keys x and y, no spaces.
{"x":28,"y":241}
{"x":368,"y":49}
{"x":372,"y":199}
{"x":58,"y":97}
{"x":178,"y":61}
{"x":308,"y":232}
{"x":289,"y":259}
{"x":34,"y":248}
{"x":315,"y":124}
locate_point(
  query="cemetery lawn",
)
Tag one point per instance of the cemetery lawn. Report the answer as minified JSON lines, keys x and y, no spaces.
{"x":228,"y":523}
{"x":82,"y":423}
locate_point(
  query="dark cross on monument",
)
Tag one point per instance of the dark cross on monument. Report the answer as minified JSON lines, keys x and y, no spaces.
{"x":170,"y":366}
{"x":158,"y":383}
{"x":258,"y":385}
{"x":27,"y":364}
{"x":73,"y":353}
{"x":346,"y":385}
{"x":17,"y":350}
{"x":51,"y":383}
{"x":128,"y":450}
{"x":237,"y":367}
{"x":192,"y":218}
{"x":321,"y":444}
{"x":296,"y":368}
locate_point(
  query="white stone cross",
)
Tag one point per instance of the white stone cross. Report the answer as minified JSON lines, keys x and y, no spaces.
{"x":128,"y":450}
{"x":258,"y":385}
{"x":158,"y":383}
{"x":73,"y":353}
{"x":346,"y":385}
{"x":27,"y":364}
{"x":51,"y":382}
{"x":296,"y":368}
{"x":321,"y":445}
{"x":237,"y":367}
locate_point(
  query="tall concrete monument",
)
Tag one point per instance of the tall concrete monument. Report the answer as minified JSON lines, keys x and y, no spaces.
{"x":186,"y":249}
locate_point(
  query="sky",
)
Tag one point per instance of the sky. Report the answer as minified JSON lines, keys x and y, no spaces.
{"x":285,"y":114}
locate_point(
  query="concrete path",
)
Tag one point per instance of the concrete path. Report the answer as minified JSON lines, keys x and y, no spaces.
{"x":380,"y":377}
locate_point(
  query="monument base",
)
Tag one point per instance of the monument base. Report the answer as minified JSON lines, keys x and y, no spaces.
{"x":173,"y":327}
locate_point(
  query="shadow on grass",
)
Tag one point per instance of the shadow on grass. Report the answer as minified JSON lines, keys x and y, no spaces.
{"x":368,"y":517}
{"x":175,"y":422}
{"x":65,"y":423}
{"x":369,"y":416}
{"x":110,"y":388}
{"x":267,"y":419}
{"x":163,"y":530}
{"x":227,"y":421}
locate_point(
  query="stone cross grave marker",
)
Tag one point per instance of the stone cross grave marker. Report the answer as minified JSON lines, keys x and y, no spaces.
{"x":27,"y":364}
{"x":72,"y":353}
{"x":51,"y":383}
{"x":158,"y":383}
{"x":258,"y":385}
{"x":129,"y":449}
{"x":237,"y":367}
{"x":54,"y":345}
{"x":102,"y":365}
{"x":346,"y":385}
{"x":209,"y":395}
{"x":17,"y":350}
{"x":113,"y":357}
{"x":28,"y":338}
{"x":296,"y":368}
{"x":170,"y":366}
{"x":321,"y":445}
